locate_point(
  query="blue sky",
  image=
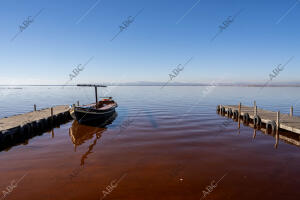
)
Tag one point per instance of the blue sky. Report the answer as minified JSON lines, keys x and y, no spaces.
{"x":165,"y":34}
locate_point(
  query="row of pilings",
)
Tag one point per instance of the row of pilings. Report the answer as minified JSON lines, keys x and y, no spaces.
{"x":270,"y":126}
{"x":23,"y":132}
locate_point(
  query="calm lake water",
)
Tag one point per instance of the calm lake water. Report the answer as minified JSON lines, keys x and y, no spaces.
{"x":165,"y":143}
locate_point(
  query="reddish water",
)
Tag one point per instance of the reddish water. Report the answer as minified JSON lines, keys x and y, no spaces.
{"x":154,"y":157}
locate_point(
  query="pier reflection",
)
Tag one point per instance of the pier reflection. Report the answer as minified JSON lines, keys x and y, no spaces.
{"x":279,"y":135}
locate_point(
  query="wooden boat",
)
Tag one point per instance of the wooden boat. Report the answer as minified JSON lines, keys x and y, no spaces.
{"x":98,"y":112}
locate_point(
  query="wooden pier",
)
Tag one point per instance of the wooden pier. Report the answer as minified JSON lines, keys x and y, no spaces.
{"x":259,"y":117}
{"x":20,"y":127}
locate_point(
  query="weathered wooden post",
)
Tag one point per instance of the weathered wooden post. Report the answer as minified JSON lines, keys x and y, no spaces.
{"x":278,"y":120}
{"x":255,"y":110}
{"x":51,"y":112}
{"x":34,"y":107}
{"x":77,"y":103}
{"x":239,"y":115}
{"x":277,"y":128}
{"x":240,"y":109}
{"x":291,"y":111}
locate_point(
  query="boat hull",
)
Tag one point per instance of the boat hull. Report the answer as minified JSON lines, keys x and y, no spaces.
{"x":84,"y":115}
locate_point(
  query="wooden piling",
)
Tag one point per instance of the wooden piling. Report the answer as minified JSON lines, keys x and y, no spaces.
{"x":32,"y":123}
{"x":34,"y":107}
{"x":239,"y":115}
{"x":291,"y":111}
{"x":285,"y":121}
{"x":278,"y":120}
{"x":51,"y":113}
{"x":77,"y":103}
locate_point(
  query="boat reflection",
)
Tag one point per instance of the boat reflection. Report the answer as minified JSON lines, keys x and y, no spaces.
{"x":81,"y":133}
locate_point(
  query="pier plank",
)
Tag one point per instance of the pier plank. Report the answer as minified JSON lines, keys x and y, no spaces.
{"x":18,"y":120}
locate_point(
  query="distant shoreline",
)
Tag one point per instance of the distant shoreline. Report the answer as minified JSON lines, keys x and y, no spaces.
{"x":170,"y":85}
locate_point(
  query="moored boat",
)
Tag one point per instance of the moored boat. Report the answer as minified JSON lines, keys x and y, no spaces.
{"x":99,"y":112}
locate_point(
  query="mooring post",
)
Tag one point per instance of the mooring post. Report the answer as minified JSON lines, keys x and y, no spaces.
{"x":77,"y":103}
{"x":291,"y":111}
{"x":277,"y":129}
{"x":34,"y":107}
{"x":278,"y":120}
{"x":239,"y":115}
{"x":255,"y":108}
{"x":51,"y":112}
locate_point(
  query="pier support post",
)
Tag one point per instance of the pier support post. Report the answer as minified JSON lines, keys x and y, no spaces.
{"x":291,"y":111}
{"x":51,"y":112}
{"x":34,"y":107}
{"x":77,"y":103}
{"x":255,"y":108}
{"x":278,"y":121}
{"x":239,"y":115}
{"x":277,"y":129}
